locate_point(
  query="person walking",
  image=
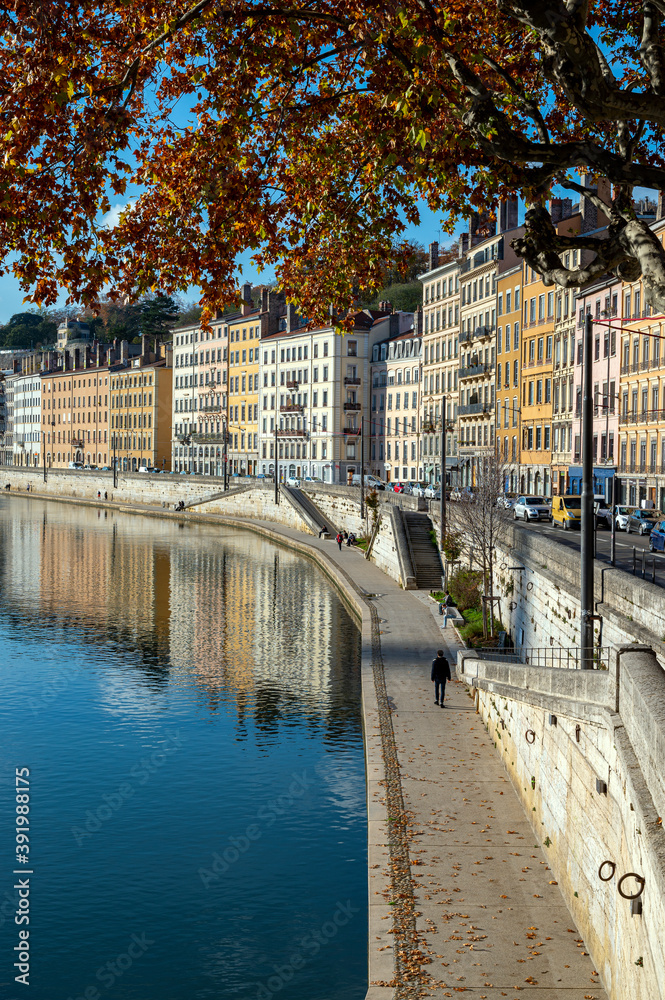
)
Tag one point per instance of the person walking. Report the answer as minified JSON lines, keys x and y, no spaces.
{"x":339,"y":540}
{"x":440,"y":674}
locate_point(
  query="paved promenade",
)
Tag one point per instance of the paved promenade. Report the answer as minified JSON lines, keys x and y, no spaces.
{"x":461,"y":896}
{"x":489,"y":921}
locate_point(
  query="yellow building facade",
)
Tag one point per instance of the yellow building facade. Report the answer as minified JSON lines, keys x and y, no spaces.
{"x":140,"y":412}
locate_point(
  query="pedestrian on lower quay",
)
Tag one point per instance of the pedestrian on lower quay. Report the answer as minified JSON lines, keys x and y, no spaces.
{"x":440,"y":674}
{"x":339,"y":539}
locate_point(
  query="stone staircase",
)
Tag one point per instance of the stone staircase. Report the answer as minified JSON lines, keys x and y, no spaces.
{"x":425,"y":557}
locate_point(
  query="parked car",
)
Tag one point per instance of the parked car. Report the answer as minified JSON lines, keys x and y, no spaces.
{"x":399,"y":487}
{"x":461,"y":494}
{"x":532,"y":509}
{"x":567,"y":511}
{"x":293,"y":481}
{"x":657,"y":538}
{"x":419,"y":489}
{"x":106,"y":468}
{"x":90,"y":468}
{"x":621,"y":514}
{"x":371,"y":482}
{"x":507,"y":500}
{"x":75,"y":465}
{"x":317,"y":479}
{"x":431,"y":490}
{"x":601,"y":512}
{"x":642,"y":521}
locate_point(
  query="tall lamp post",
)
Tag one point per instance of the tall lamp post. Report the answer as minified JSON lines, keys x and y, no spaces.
{"x":587,"y":531}
{"x":362,"y":468}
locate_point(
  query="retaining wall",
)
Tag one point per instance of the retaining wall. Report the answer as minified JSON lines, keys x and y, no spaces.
{"x":579,"y":824}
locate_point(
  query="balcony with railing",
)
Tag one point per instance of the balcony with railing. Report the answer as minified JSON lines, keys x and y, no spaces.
{"x":211,"y":408}
{"x":476,"y":334}
{"x":351,"y":380}
{"x":294,"y":432}
{"x":642,"y":417}
{"x":351,"y":406}
{"x":474,"y":371}
{"x":208,"y":438}
{"x":291,"y":408}
{"x":473,"y":409}
{"x":351,"y":430}
{"x":292,"y":383}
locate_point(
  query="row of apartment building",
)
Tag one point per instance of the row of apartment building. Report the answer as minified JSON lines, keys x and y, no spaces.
{"x":494,"y":356}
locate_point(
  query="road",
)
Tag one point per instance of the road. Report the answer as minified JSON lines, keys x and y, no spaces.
{"x":624,"y":548}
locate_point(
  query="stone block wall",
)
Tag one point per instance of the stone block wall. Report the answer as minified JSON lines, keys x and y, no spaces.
{"x":540,"y":603}
{"x":580,"y":825}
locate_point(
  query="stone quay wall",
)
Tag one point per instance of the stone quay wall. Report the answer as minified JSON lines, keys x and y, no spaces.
{"x":540,"y":603}
{"x":590,"y":779}
{"x":247,"y":499}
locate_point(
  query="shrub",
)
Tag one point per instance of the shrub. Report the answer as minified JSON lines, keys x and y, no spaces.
{"x":465,"y":589}
{"x":452,"y":545}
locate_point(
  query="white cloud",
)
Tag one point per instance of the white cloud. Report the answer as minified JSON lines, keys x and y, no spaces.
{"x":112,"y":217}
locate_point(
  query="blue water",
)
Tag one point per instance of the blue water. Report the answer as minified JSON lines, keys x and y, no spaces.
{"x":186,"y":699}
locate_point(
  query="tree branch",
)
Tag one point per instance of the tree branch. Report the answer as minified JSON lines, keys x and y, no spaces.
{"x":651,"y":50}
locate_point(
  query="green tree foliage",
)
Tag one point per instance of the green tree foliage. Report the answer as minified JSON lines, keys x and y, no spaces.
{"x":157,"y":316}
{"x":464,"y":589}
{"x":28,"y":329}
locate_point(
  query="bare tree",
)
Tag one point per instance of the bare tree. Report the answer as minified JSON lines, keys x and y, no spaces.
{"x":483,"y":522}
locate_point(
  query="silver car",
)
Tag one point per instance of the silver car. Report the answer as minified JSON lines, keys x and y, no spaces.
{"x":532,"y":509}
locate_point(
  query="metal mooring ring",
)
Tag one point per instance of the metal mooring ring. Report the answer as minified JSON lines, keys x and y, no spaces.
{"x":530,"y":733}
{"x":638,"y":878}
{"x":606,"y":878}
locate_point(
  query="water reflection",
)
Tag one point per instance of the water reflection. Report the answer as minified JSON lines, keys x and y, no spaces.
{"x":115,"y":632}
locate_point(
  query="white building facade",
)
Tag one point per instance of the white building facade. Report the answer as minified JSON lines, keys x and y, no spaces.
{"x":27,"y":419}
{"x":314,"y":388}
{"x":395,"y":408}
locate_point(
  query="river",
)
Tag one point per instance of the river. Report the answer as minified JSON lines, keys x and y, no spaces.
{"x":186,"y":699}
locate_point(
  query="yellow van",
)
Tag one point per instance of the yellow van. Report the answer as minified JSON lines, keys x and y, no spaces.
{"x":567,"y":512}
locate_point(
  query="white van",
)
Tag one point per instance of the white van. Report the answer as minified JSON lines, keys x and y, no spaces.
{"x":75,"y":465}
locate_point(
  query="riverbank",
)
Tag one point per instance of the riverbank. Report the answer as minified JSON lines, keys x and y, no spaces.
{"x":460,"y":898}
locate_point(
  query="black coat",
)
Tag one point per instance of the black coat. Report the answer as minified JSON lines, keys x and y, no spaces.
{"x":440,"y":669}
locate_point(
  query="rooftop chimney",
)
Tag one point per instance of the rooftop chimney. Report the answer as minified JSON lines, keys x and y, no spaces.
{"x":246,"y":296}
{"x":291,"y":318}
{"x":124,"y":351}
{"x":433,"y":255}
{"x":463,"y":243}
{"x":508,"y":215}
{"x":660,"y":210}
{"x":560,"y":209}
{"x":145,"y":348}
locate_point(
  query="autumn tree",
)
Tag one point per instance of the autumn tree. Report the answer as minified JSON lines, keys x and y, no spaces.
{"x":482,"y":523}
{"x":308,"y":134}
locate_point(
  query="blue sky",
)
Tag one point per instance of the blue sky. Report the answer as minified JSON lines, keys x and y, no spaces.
{"x":11,"y":295}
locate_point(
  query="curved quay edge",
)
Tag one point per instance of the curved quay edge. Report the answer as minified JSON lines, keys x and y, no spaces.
{"x":387,"y":825}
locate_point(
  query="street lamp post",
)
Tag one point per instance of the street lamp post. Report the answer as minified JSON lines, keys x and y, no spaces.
{"x":443,"y":471}
{"x":362,"y":468}
{"x":275,"y":463}
{"x":588,"y":518}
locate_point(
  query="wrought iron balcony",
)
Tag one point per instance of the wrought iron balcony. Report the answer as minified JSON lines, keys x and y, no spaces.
{"x":208,"y":438}
{"x":351,"y":380}
{"x":351,"y":430}
{"x":291,"y":408}
{"x":295,"y":433}
{"x":472,"y":409}
{"x":351,"y":406}
{"x":473,"y":371}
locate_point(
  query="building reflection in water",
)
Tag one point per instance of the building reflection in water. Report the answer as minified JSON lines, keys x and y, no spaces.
{"x":249,"y":623}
